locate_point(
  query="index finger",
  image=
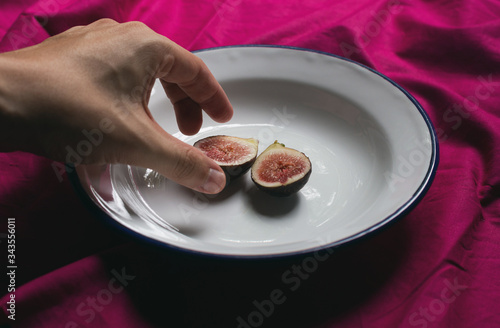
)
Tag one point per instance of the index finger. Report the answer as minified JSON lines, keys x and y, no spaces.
{"x":194,"y":81}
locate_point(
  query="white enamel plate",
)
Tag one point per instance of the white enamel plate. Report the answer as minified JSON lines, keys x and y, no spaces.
{"x":372,"y":148}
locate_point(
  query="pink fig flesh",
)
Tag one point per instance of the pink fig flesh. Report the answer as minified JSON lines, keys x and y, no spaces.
{"x":233,"y":154}
{"x":281,"y":171}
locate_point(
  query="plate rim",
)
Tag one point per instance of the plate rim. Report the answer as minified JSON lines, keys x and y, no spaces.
{"x":398,"y":214}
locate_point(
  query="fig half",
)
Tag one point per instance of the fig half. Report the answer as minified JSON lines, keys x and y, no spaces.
{"x":281,"y":171}
{"x":234,"y":155}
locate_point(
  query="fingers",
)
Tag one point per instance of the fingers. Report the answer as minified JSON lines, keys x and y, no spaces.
{"x":188,"y":115}
{"x":185,"y":76}
{"x":181,"y":163}
{"x":194,"y":170}
{"x":191,"y":88}
{"x":187,"y":111}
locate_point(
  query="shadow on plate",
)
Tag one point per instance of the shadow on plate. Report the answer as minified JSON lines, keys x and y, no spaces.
{"x":270,"y":206}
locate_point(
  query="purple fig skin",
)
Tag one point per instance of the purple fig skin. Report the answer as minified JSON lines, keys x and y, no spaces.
{"x":284,"y":189}
{"x":232,"y":171}
{"x":235,"y":171}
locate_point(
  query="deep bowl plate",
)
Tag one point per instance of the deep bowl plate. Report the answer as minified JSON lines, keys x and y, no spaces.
{"x":372,"y":147}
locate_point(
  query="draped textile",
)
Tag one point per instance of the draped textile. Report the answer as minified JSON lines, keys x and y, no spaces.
{"x":439,"y":266}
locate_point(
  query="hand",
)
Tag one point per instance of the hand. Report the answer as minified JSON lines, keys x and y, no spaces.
{"x":94,"y":82}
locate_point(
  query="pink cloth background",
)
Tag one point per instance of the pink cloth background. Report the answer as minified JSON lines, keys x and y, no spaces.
{"x":437,"y":267}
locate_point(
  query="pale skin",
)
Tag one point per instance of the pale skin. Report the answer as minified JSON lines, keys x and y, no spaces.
{"x":104,"y":72}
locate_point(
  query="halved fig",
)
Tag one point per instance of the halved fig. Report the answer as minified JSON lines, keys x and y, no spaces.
{"x":281,"y":171}
{"x":234,"y":155}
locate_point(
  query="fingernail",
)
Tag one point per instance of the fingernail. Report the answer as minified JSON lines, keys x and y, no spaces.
{"x":215,"y":182}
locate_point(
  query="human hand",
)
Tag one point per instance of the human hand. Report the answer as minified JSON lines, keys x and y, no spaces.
{"x":98,"y":78}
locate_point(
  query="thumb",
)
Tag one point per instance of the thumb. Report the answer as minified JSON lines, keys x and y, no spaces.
{"x":183,"y":164}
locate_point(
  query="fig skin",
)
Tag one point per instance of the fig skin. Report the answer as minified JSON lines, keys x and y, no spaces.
{"x":283,"y":189}
{"x":235,"y":171}
{"x":232,"y":171}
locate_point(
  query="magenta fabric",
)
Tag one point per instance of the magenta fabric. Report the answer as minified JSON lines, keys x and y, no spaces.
{"x":439,"y":266}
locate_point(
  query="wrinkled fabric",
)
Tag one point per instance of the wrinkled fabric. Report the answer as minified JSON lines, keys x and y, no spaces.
{"x":439,"y":266}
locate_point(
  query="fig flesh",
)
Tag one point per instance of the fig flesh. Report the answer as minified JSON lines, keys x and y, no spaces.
{"x":281,"y":171}
{"x":233,"y":154}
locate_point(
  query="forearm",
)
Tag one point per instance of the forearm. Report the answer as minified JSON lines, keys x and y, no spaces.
{"x":11,"y":127}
